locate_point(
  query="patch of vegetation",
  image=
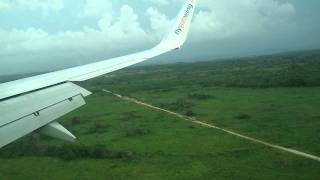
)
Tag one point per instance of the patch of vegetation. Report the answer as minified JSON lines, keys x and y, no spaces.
{"x":190,"y":113}
{"x":242,"y":116}
{"x":68,"y":152}
{"x":282,"y":70}
{"x":137,"y":132}
{"x":78,"y":121}
{"x":98,"y":127}
{"x":180,"y":105}
{"x":127,"y":116}
{"x":199,"y":96}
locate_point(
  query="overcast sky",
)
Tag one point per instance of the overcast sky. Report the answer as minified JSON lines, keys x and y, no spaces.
{"x":41,"y":35}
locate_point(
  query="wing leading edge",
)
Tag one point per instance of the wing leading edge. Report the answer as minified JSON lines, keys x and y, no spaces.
{"x":30,"y":94}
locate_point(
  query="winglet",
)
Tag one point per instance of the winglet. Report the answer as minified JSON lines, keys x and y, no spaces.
{"x":179,"y":32}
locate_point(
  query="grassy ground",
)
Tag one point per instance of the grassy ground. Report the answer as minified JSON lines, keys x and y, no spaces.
{"x":286,"y":116}
{"x":121,"y":140}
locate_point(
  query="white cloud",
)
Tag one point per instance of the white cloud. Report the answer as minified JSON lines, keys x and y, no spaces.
{"x":159,"y":22}
{"x":45,"y":6}
{"x":218,"y":19}
{"x":159,"y":2}
{"x":221,"y":19}
{"x":124,"y":32}
{"x":215,"y":20}
{"x":97,"y":8}
{"x":5,"y":6}
{"x":228,"y":19}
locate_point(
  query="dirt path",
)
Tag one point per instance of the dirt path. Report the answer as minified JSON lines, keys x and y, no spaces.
{"x":193,"y":120}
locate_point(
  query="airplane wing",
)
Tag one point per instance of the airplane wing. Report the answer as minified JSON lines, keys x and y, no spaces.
{"x":35,"y":103}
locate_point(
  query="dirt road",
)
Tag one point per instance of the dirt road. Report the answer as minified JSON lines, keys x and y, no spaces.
{"x":193,"y":120}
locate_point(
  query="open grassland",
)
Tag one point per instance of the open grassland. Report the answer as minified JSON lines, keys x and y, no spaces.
{"x":273,"y":98}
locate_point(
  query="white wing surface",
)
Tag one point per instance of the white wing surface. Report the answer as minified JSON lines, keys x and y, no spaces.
{"x":35,"y":103}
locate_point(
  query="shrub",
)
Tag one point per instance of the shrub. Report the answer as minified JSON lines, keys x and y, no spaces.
{"x":137,"y":132}
{"x":199,"y":96}
{"x":190,"y":113}
{"x":71,"y":152}
{"x":75,"y":120}
{"x":295,"y":82}
{"x":99,"y":127}
{"x":191,"y":126}
{"x":129,"y":115}
{"x":242,"y":116}
{"x":181,"y":104}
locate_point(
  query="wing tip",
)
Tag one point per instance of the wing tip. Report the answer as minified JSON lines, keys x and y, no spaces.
{"x":179,"y":31}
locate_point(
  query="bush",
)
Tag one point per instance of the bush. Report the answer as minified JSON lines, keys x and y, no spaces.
{"x":191,"y":126}
{"x":69,"y":152}
{"x":295,"y":82}
{"x":242,"y":116}
{"x":190,"y":113}
{"x":137,"y":132}
{"x":98,"y":127}
{"x":129,"y":115}
{"x":198,"y":96}
{"x":181,"y":104}
{"x":75,"y":120}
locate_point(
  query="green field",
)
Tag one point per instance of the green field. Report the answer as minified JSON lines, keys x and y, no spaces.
{"x":272,"y":98}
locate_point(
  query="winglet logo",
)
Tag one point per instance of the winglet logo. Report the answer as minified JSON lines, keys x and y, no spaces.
{"x":185,"y":17}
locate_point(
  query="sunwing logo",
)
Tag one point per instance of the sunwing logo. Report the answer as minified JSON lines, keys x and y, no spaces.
{"x":185,"y":17}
